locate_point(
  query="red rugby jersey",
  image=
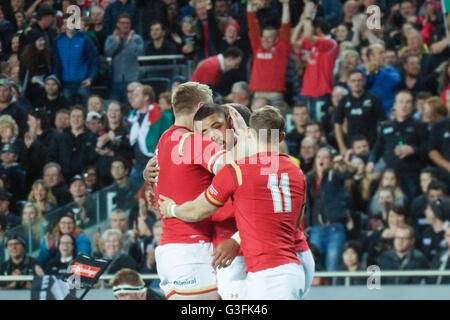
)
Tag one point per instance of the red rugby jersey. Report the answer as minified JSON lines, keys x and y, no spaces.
{"x":268,"y":192}
{"x":186,"y":162}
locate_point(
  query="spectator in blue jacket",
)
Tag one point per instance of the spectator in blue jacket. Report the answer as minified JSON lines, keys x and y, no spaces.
{"x":124,"y":46}
{"x":75,"y":62}
{"x":113,"y":11}
{"x":381,"y":79}
{"x":65,"y":225}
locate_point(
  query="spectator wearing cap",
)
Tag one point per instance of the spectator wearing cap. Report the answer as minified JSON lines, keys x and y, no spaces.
{"x":66,"y":224}
{"x":12,"y":220}
{"x":45,"y":18}
{"x":52,"y":175}
{"x":75,"y":62}
{"x":94,"y":122}
{"x":403,"y":257}
{"x":74,"y":148}
{"x":113,"y":142}
{"x":52,"y":100}
{"x":176,"y":81}
{"x":19,"y":262}
{"x":437,"y":216}
{"x":10,"y":107}
{"x":35,"y":65}
{"x":82,"y":207}
{"x":211,"y":70}
{"x":12,"y":172}
{"x":114,"y":10}
{"x":124,"y":46}
{"x":37,"y":139}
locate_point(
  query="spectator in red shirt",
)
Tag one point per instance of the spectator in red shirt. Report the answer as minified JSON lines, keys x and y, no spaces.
{"x":270,"y":54}
{"x":210,"y":71}
{"x":320,"y":53}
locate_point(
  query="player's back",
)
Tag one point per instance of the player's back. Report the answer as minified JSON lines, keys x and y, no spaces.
{"x":267,"y":205}
{"x":184,"y":159}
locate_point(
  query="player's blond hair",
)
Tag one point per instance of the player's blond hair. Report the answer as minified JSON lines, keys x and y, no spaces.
{"x":268,"y":120}
{"x":188,"y":95}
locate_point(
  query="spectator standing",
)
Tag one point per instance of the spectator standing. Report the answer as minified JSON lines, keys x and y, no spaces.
{"x":114,"y":10}
{"x":74,"y":148}
{"x":270,"y":54}
{"x":45,"y":19}
{"x":150,"y":11}
{"x":75,"y":62}
{"x":124,"y":46}
{"x":361,"y":109}
{"x":159,"y":44}
{"x":400,"y":142}
{"x":300,"y":117}
{"x":320,"y":53}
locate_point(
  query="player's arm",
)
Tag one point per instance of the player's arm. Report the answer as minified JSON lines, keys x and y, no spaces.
{"x":191,"y":211}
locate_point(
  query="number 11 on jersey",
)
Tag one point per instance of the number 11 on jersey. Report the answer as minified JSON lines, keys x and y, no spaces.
{"x":280,"y":192}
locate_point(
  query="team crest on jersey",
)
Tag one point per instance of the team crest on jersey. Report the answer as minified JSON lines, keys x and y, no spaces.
{"x":388,"y":130}
{"x":348,"y":104}
{"x":213,"y":191}
{"x":367,"y":103}
{"x":446,"y":135}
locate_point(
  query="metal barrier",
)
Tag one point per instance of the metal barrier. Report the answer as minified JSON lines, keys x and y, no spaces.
{"x":337,"y":274}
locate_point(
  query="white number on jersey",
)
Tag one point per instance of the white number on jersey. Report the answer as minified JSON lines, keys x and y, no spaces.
{"x":276,"y":191}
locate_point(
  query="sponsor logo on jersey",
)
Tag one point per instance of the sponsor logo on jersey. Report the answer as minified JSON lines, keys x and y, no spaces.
{"x":213,"y":191}
{"x":446,"y":135}
{"x":388,"y":130}
{"x":264,"y":56}
{"x":356,"y":112}
{"x":186,"y":282}
{"x":348,"y":104}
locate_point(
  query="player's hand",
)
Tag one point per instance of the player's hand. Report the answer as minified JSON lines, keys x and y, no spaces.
{"x":369,"y":168}
{"x":164,"y":206}
{"x":236,"y":120}
{"x":225,"y":253}
{"x":151,"y":171}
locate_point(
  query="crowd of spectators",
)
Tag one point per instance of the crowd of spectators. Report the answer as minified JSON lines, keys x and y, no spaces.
{"x":367,"y":117}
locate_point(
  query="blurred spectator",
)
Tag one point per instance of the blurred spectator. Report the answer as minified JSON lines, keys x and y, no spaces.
{"x":308,"y":151}
{"x":150,"y":11}
{"x":328,"y":117}
{"x":433,"y":111}
{"x":111,"y":243}
{"x":45,"y":19}
{"x":37,"y":139}
{"x":97,"y":15}
{"x":437,"y":217}
{"x":419,"y":203}
{"x":352,"y":261}
{"x":403,"y":257}
{"x":361,"y":109}
{"x":300,"y":117}
{"x":413,"y":79}
{"x":6,"y":31}
{"x":211,"y":70}
{"x":124,"y":186}
{"x":74,"y":148}
{"x":52,"y":100}
{"x":52,"y":175}
{"x":400,"y":142}
{"x":258,"y":103}
{"x":95,"y":103}
{"x":9,"y":107}
{"x":90,"y":177}
{"x":67,"y":251}
{"x":160,"y":45}
{"x":348,"y":61}
{"x":381,"y":80}
{"x":445,"y":82}
{"x":441,"y":261}
{"x":165,"y":101}
{"x":328,"y":206}
{"x":33,"y":225}
{"x":83,"y":206}
{"x":270,"y":52}
{"x":113,"y":11}
{"x":65,"y":225}
{"x":12,"y":220}
{"x":240,"y":93}
{"x":113,"y":142}
{"x":319,"y":53}
{"x":12,"y":173}
{"x":416,"y":46}
{"x":314,"y":130}
{"x":148,"y":123}
{"x":93,"y":122}
{"x":42,"y":196}
{"x":124,"y":46}
{"x":75,"y":62}
{"x":9,"y":134}
{"x":62,"y":120}
{"x":19,"y":262}
{"x":35,"y":65}
{"x":389,"y":179}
